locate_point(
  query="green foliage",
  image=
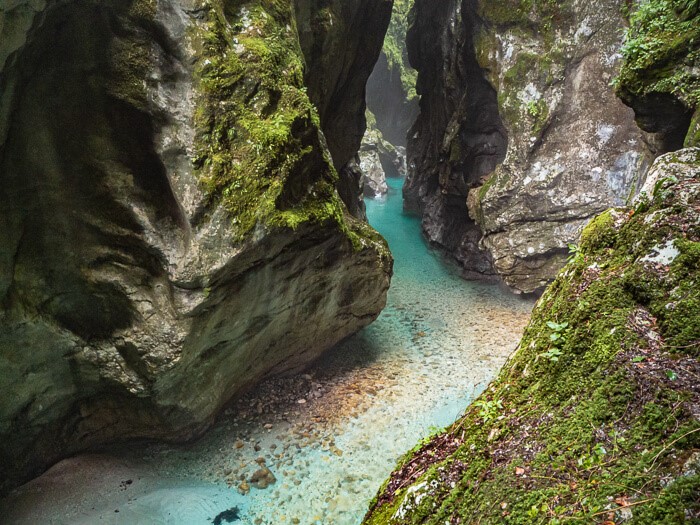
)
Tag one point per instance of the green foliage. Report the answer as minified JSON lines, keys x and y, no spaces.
{"x":575,"y":253}
{"x":395,"y":47}
{"x":557,"y":338}
{"x":256,"y":148}
{"x":662,"y":46}
{"x":489,"y":410}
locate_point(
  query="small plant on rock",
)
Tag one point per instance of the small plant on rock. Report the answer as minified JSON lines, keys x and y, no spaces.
{"x":557,"y":339}
{"x":489,"y":410}
{"x":575,"y":253}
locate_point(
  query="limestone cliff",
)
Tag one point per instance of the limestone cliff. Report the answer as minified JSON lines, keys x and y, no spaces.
{"x":341,"y":41}
{"x":379,"y":159}
{"x":596,"y":416}
{"x":518,"y":118}
{"x":171,"y":231}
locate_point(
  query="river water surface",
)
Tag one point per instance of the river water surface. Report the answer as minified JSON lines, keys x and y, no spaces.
{"x":330,"y":436}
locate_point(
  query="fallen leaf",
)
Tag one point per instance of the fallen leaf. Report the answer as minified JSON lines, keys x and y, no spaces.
{"x":622,"y":501}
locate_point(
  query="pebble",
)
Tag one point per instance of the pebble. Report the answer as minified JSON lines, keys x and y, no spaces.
{"x":262,"y":478}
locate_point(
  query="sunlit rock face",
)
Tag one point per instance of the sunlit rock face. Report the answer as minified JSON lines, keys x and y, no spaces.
{"x":379,"y":159}
{"x":171,"y":229}
{"x":521,"y":140}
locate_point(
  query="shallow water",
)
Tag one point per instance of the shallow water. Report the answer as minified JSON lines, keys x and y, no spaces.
{"x":329,"y":436}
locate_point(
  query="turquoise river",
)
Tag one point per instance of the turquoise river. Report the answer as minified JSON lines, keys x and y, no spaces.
{"x":329,"y":436}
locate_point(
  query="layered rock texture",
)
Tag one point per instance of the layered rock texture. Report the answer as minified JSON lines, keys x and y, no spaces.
{"x":341,"y":42}
{"x":596,"y":416}
{"x":521,"y":140}
{"x":171,"y":229}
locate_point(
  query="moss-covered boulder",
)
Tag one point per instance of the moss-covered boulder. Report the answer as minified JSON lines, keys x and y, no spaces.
{"x":596,"y":416}
{"x":171,"y":232}
{"x":660,"y":76}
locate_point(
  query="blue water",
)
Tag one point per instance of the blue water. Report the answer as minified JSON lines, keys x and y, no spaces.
{"x":330,"y":436}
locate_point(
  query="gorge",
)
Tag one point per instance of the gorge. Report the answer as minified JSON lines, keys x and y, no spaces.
{"x":255,"y":251}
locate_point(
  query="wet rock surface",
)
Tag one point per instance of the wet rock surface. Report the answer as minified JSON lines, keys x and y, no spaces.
{"x":520,"y":125}
{"x":143,"y":281}
{"x":341,"y":41}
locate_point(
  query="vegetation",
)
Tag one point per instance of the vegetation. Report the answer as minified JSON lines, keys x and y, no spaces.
{"x":542,"y":64}
{"x":662,"y":53}
{"x":663,"y":38}
{"x":395,"y":47}
{"x":594,"y":418}
{"x":538,"y":15}
{"x":257,"y":148}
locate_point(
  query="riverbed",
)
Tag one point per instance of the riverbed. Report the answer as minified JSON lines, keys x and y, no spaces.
{"x":328,"y":437}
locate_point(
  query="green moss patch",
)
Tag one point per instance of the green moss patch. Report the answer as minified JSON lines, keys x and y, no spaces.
{"x":537,"y":16}
{"x":259,"y":151}
{"x":395,"y":47}
{"x":662,"y":52}
{"x":595,"y":417}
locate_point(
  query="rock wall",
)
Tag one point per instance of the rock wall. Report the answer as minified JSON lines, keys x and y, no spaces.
{"x":391,"y":89}
{"x":379,"y":159}
{"x":520,"y":140}
{"x":171,"y":230}
{"x":341,"y":41}
{"x":596,"y":416}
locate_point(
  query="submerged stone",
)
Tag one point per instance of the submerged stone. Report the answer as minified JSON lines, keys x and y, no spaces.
{"x":228,"y":516}
{"x":262,"y":478}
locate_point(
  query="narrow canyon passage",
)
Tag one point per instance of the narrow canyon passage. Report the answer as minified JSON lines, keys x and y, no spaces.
{"x":329,"y":437}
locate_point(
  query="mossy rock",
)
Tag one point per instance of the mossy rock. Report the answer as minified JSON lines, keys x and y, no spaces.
{"x":259,"y":148}
{"x":395,"y":47}
{"x":596,"y":416}
{"x":661,"y":60}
